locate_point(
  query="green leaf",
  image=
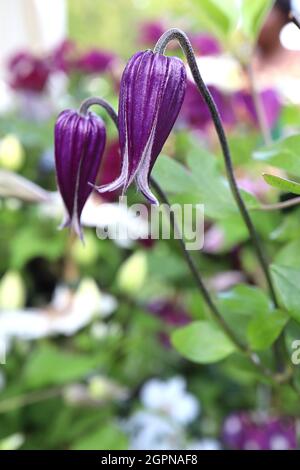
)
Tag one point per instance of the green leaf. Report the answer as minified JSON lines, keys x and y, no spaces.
{"x":244,"y":300}
{"x":214,"y":17}
{"x":212,"y":186}
{"x":289,"y":255}
{"x":282,"y":183}
{"x":35,"y":241}
{"x":287,"y":283}
{"x":253,"y":14}
{"x":49,"y":365}
{"x":107,"y":437}
{"x":265,"y":327}
{"x":284,"y":153}
{"x":202,"y":342}
{"x":202,"y":182}
{"x":173,"y":176}
{"x":226,"y":17}
{"x":289,"y":229}
{"x":239,"y":305}
{"x":165,"y":265}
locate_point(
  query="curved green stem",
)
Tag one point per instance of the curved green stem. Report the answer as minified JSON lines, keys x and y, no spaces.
{"x":187,"y":48}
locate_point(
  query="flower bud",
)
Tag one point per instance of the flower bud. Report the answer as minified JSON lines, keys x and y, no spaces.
{"x":79,"y":145}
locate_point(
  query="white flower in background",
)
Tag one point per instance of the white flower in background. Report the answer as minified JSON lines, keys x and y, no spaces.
{"x":171,"y":399}
{"x":161,"y":425}
{"x":151,"y":431}
{"x":116,"y":219}
{"x":67,"y":313}
{"x":204,"y":444}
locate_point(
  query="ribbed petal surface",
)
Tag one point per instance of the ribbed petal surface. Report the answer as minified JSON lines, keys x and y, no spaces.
{"x":151,"y":95}
{"x":79,"y":146}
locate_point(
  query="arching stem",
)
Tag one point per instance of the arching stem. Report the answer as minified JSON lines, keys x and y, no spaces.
{"x":180,"y":36}
{"x":86,"y":104}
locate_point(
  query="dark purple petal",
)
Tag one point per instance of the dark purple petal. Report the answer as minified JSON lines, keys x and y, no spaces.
{"x":151,"y":95}
{"x":79,"y":146}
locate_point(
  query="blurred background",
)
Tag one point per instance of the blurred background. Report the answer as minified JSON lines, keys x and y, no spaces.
{"x":85,"y":330}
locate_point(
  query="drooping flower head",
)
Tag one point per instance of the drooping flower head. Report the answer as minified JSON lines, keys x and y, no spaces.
{"x":151,"y":95}
{"x":79,"y":145}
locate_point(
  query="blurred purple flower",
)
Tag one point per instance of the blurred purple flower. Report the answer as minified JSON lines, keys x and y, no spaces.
{"x":169,"y":312}
{"x":225,"y":280}
{"x":214,"y":240}
{"x":28,"y":73}
{"x":195,"y":112}
{"x":258,"y":187}
{"x":150,"y":32}
{"x":152,"y":92}
{"x":95,"y":61}
{"x":245,"y":431}
{"x":79,"y":145}
{"x":64,"y":56}
{"x":270,"y":101}
{"x":204,"y":44}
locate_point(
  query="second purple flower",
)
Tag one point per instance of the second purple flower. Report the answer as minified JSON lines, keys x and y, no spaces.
{"x":151,"y":95}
